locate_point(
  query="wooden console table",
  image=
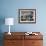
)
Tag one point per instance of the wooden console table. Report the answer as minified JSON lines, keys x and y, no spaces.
{"x":20,"y":39}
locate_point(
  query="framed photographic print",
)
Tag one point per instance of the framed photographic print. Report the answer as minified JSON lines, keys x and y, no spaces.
{"x":27,"y":15}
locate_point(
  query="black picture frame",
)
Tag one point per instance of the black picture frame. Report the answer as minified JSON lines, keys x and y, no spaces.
{"x":27,"y":16}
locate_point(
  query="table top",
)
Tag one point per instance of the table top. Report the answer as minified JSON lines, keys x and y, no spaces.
{"x":22,"y":33}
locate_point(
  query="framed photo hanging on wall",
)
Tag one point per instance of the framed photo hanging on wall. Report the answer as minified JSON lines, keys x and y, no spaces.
{"x":27,"y":15}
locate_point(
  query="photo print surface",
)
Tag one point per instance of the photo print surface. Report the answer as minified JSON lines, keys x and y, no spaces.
{"x":27,"y":15}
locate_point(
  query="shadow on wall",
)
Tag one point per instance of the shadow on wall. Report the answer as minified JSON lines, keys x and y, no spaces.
{"x":2,"y":21}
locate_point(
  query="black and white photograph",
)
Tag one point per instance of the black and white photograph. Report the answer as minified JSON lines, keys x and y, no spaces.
{"x":27,"y":15}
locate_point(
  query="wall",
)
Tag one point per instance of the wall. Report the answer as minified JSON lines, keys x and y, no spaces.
{"x":9,"y":8}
